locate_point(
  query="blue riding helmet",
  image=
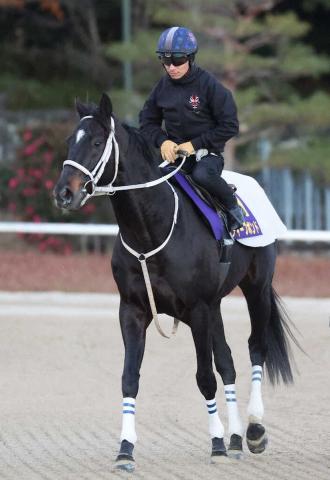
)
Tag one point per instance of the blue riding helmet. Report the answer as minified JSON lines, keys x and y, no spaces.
{"x":177,"y":40}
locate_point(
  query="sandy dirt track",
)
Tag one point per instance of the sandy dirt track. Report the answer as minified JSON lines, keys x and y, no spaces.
{"x":61,"y":361}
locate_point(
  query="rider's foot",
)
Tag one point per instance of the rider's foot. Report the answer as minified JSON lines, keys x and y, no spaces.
{"x":235,"y":218}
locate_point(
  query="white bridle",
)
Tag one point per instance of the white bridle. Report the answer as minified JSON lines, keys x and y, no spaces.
{"x":109,"y":189}
{"x":98,"y":170}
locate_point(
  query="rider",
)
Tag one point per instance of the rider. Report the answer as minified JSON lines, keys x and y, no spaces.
{"x":199,"y":116}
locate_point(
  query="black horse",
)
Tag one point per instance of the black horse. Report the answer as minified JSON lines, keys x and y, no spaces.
{"x":185,"y":275}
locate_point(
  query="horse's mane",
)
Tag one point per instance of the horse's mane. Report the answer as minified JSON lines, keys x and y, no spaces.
{"x":138,"y":141}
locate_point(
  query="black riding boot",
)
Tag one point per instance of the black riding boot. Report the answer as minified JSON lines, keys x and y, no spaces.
{"x":235,"y":217}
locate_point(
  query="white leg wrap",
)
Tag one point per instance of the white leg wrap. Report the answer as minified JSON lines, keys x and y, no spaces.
{"x":234,"y":420}
{"x":255,"y":408}
{"x":128,"y":425}
{"x":215,"y":426}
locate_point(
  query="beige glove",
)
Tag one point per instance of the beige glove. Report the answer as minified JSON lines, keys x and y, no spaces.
{"x":167,"y":151}
{"x":187,"y":147}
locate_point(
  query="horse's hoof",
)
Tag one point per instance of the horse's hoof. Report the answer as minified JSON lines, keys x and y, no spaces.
{"x":256,"y":438}
{"x":125,"y":463}
{"x":221,"y":458}
{"x":235,"y":449}
{"x":125,"y":460}
{"x":219,"y":452}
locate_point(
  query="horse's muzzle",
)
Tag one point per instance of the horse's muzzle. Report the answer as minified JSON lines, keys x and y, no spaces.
{"x":64,"y":197}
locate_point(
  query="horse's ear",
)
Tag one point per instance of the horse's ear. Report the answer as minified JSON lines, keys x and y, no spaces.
{"x":105,"y":107}
{"x":82,"y":109}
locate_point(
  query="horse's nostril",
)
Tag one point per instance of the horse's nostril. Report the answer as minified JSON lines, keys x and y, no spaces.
{"x":66,"y":195}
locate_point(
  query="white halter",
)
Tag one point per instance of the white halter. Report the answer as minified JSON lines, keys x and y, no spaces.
{"x":98,"y":170}
{"x":109,"y":189}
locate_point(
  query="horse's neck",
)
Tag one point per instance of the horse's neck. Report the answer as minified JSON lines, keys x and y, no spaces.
{"x":144,"y":215}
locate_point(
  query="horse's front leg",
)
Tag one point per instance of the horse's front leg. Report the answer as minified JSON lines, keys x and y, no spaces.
{"x":225,"y":366}
{"x":134,"y":323}
{"x":201,"y":327}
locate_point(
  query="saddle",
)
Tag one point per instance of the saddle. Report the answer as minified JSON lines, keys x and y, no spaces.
{"x":213,"y":212}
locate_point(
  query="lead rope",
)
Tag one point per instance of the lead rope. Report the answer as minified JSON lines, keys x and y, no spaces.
{"x":151,"y":296}
{"x":152,"y":300}
{"x":142,"y":257}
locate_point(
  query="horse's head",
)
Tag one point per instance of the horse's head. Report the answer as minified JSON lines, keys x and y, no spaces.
{"x":90,"y":148}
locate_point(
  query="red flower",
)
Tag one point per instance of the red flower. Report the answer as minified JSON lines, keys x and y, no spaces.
{"x":33,"y":147}
{"x":36,"y":218}
{"x":89,"y":208}
{"x":30,"y":149}
{"x":48,"y":156}
{"x":13,"y":182}
{"x":49,"y":184}
{"x":36,"y":173}
{"x":27,"y":135}
{"x":29,"y":192}
{"x":29,"y":210}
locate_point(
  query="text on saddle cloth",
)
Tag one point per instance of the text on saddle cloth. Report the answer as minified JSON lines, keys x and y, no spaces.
{"x":251,"y":227}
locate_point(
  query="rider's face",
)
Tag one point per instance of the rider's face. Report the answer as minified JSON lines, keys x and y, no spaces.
{"x":177,"y":72}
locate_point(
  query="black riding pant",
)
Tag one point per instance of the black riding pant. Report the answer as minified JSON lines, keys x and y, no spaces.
{"x":207,"y":173}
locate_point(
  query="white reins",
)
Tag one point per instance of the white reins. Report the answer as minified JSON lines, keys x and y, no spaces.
{"x":109,"y":189}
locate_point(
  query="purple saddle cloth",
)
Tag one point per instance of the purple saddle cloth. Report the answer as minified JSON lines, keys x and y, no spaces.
{"x":209,"y":213}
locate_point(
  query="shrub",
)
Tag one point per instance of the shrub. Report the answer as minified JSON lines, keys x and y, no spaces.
{"x":30,"y":182}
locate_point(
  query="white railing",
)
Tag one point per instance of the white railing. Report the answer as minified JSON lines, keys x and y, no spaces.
{"x":59,"y":228}
{"x":112,"y":230}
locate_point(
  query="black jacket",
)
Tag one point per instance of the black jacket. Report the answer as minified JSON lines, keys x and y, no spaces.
{"x":195,"y":108}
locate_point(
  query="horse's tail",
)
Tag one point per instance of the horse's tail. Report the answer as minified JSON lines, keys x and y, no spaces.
{"x":279,"y":357}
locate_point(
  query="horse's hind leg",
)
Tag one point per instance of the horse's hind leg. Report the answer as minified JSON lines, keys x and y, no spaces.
{"x":257,"y":291}
{"x":256,"y":437}
{"x":201,"y":327}
{"x":259,"y":309}
{"x":225,"y":367}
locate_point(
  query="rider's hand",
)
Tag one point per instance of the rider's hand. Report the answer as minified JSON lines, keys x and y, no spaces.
{"x":167,"y":151}
{"x":187,"y":147}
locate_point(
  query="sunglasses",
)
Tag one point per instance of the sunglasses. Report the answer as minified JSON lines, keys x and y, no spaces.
{"x":174,"y":59}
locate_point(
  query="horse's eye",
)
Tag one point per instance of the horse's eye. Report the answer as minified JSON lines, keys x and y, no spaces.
{"x":97,"y":143}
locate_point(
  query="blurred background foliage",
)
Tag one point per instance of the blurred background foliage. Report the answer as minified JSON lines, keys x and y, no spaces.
{"x":273,"y":55}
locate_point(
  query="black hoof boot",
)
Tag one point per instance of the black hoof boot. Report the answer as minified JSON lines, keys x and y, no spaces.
{"x":256,"y":438}
{"x":125,"y":460}
{"x":235,"y":449}
{"x":219,"y":452}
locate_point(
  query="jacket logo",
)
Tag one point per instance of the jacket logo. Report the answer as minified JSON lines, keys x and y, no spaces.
{"x":194,"y":101}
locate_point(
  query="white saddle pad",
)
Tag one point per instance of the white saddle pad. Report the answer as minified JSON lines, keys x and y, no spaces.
{"x":262,"y":225}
